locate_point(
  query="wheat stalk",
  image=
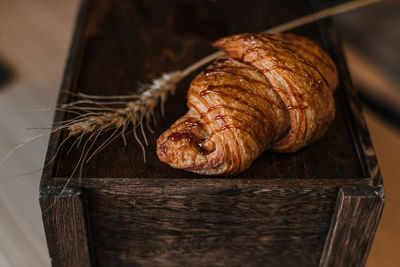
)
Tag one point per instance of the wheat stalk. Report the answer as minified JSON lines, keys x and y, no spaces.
{"x":332,"y":11}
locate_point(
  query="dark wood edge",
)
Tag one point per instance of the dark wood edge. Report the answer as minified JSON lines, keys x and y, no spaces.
{"x":63,"y":213}
{"x":358,"y":125}
{"x":354,"y":223}
{"x":125,"y":186}
{"x":356,"y":122}
{"x":69,"y":79}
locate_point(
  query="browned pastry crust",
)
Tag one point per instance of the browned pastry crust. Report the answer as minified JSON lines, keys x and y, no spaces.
{"x":269,"y":92}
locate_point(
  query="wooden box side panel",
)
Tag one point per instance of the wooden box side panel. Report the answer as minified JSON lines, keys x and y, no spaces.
{"x":224,"y":222}
{"x":356,"y":217}
{"x":64,"y":220}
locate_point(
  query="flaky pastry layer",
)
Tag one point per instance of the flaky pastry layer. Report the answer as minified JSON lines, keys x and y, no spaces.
{"x":268,"y":92}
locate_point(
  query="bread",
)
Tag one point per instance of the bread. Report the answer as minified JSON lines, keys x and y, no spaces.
{"x":269,"y":92}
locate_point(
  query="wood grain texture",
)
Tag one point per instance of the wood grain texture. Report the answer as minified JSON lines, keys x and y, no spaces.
{"x":353,"y":227}
{"x":223,"y":224}
{"x":125,"y":185}
{"x":65,"y":226}
{"x":166,"y":222}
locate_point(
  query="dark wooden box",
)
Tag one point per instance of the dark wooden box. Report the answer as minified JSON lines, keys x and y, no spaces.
{"x":319,"y":206}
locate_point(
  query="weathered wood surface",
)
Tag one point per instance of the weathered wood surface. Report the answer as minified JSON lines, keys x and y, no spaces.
{"x":357,"y":214}
{"x":124,"y":185}
{"x":224,"y":224}
{"x":220,"y":221}
{"x":65,"y":226}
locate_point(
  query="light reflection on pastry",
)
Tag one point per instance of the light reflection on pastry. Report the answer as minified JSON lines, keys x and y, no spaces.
{"x":269,"y":92}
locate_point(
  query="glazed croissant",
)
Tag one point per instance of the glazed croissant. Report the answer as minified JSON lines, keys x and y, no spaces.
{"x":269,"y":92}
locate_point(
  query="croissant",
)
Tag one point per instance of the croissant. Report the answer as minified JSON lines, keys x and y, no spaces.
{"x":268,"y":92}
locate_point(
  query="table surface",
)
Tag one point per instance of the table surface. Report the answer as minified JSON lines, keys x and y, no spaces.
{"x":36,"y":50}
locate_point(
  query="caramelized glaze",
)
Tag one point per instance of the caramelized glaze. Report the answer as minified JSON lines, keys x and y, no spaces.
{"x":271,"y":91}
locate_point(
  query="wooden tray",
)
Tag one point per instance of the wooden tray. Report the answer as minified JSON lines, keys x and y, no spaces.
{"x":287,"y":209}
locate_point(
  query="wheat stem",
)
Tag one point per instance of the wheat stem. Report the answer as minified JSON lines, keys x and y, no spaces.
{"x":329,"y":12}
{"x":201,"y":62}
{"x":108,"y":96}
{"x":332,"y":11}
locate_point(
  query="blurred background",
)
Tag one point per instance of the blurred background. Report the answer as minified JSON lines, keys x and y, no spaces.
{"x":34,"y":43}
